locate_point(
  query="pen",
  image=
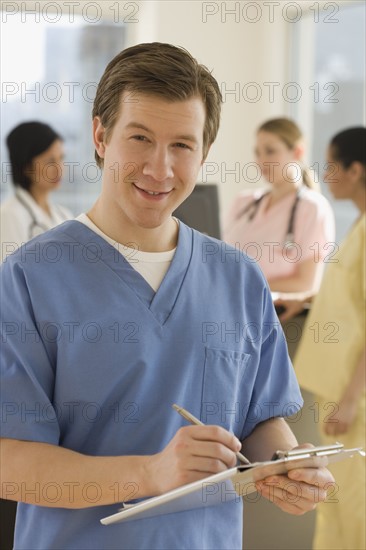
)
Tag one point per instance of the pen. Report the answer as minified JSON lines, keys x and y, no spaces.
{"x":193,"y":420}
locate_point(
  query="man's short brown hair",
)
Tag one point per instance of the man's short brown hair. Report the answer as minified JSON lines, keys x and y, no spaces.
{"x":163,"y":70}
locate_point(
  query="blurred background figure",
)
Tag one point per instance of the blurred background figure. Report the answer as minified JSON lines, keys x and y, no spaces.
{"x":287,"y":226}
{"x":36,"y":156}
{"x":330,"y":360}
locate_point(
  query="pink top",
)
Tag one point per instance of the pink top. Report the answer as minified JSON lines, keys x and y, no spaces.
{"x":263,"y":237}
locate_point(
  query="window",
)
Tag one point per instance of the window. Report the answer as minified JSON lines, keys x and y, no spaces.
{"x":52,"y":78}
{"x":330,"y":66}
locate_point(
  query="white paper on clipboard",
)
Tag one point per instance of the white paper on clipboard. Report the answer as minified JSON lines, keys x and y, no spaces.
{"x":232,"y":484}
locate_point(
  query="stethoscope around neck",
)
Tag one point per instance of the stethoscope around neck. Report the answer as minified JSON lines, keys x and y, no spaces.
{"x":252,"y":208}
{"x":35,"y":223}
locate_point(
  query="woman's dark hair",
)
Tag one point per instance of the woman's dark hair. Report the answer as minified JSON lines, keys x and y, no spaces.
{"x":25,"y":142}
{"x":350,"y":146}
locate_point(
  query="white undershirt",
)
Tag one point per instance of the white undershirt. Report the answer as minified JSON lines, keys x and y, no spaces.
{"x":151,"y":265}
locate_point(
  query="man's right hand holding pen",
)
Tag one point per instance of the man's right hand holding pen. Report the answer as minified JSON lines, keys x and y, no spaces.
{"x":194,"y":453}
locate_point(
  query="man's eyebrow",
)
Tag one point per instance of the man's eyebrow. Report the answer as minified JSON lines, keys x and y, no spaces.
{"x":138,"y":125}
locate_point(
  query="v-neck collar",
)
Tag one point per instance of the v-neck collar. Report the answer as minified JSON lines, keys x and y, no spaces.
{"x":160,"y":303}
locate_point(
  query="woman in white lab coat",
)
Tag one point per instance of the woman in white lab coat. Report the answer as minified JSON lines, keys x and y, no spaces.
{"x":36,"y":156}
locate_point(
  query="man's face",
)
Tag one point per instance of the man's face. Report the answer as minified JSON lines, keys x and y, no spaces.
{"x":151,"y":158}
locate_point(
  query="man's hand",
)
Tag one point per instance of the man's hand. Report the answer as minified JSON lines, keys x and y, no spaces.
{"x":194,"y":453}
{"x":300,"y":490}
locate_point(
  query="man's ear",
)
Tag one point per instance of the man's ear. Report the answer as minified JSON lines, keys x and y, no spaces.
{"x":99,"y":136}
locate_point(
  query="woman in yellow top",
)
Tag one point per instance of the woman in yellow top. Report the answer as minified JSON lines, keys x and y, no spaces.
{"x":330,"y":361}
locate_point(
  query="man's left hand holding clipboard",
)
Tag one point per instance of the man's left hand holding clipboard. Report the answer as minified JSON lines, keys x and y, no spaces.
{"x":300,"y":490}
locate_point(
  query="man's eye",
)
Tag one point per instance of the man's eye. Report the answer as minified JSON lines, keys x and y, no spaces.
{"x":182,"y":145}
{"x":139,"y":138}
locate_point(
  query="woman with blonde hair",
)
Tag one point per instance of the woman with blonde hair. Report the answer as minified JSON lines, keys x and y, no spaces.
{"x":287,"y":227}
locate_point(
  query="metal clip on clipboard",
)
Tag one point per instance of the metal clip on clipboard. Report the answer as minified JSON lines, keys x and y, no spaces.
{"x":323,"y":450}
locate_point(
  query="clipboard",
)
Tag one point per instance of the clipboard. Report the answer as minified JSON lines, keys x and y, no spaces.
{"x":230,"y":485}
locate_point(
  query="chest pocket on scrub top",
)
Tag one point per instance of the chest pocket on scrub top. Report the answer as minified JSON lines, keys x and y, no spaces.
{"x":223,"y":391}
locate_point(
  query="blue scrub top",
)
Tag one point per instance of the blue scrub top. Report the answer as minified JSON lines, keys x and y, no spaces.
{"x":93,"y":359}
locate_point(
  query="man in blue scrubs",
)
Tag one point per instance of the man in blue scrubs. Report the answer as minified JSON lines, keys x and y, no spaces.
{"x":109,"y":319}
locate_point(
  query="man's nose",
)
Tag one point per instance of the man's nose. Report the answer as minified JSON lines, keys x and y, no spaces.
{"x":159,"y":165}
